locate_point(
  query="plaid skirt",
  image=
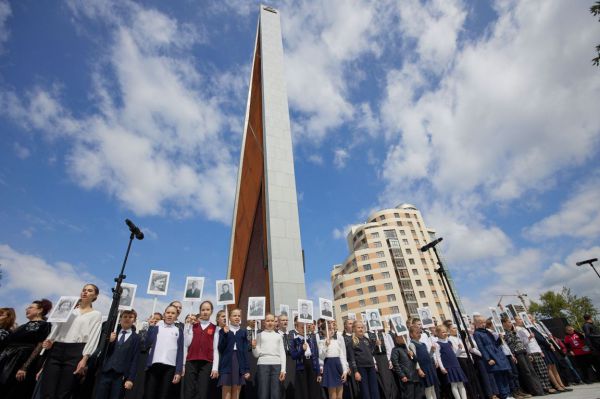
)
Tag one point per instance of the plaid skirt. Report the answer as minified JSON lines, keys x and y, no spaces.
{"x":539,"y":365}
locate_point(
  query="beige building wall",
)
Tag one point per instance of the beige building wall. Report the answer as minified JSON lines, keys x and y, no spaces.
{"x":386,"y":270}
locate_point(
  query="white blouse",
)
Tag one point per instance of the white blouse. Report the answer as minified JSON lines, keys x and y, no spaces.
{"x":79,"y":328}
{"x":336,"y":348}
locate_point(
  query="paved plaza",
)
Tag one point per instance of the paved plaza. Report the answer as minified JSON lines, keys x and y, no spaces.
{"x":582,"y":392}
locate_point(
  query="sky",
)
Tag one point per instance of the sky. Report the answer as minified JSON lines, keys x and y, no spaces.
{"x":483,"y":114}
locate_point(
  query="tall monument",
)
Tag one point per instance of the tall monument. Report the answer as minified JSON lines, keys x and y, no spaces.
{"x":265,"y":257}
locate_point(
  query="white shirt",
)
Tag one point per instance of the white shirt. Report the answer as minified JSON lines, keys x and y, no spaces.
{"x":79,"y":328}
{"x":269,"y":349}
{"x":529,"y":342}
{"x":389,"y":345}
{"x":456,"y":342}
{"x":336,"y":348}
{"x":165,"y":348}
{"x":127,"y":335}
{"x":234,"y":329}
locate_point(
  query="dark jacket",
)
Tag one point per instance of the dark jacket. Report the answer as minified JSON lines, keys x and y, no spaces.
{"x":151,"y":342}
{"x":404,"y":366}
{"x":123,"y":358}
{"x":229,"y":340}
{"x":297,"y":351}
{"x":491,"y":349}
{"x":361,"y":354}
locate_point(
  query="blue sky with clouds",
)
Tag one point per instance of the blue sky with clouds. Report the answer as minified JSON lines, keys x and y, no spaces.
{"x":482,"y":114}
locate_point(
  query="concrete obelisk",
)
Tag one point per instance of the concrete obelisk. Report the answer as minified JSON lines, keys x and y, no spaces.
{"x":265,"y":256}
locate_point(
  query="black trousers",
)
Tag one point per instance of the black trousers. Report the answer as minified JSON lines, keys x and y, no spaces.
{"x":58,"y":381}
{"x":159,"y":382}
{"x":527,"y":376}
{"x":110,"y":385}
{"x":584,"y":363}
{"x":306,"y":385}
{"x":197,"y":383}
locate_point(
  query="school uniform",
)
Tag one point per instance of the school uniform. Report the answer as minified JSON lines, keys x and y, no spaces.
{"x":165,"y":359}
{"x":287,"y":386}
{"x":405,"y":365}
{"x":271,"y":357}
{"x":382,"y":354}
{"x":233,"y":356}
{"x":334,"y":359}
{"x":201,"y":340}
{"x":120,"y":365}
{"x":361,"y":361}
{"x":351,"y":390}
{"x":307,"y":366}
{"x":490,"y":349}
{"x":430,"y":380}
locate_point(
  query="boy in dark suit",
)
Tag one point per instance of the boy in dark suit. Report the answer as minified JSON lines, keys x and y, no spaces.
{"x":120,"y":367}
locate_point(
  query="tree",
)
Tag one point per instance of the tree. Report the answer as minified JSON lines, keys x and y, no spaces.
{"x":595,"y":10}
{"x":564,"y":304}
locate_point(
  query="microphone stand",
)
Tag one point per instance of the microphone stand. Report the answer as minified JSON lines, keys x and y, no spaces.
{"x":113,"y":313}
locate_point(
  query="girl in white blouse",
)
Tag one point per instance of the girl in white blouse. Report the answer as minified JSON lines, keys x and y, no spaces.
{"x":332,"y":350}
{"x":269,"y":350}
{"x":71,"y":343}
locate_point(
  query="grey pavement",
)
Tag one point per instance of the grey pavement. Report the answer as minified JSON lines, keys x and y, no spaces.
{"x":580,"y":392}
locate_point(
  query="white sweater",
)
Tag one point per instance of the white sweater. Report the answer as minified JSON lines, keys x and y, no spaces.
{"x":79,"y":328}
{"x":269,"y":349}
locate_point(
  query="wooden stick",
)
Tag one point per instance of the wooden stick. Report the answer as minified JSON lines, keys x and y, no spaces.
{"x":154,"y":305}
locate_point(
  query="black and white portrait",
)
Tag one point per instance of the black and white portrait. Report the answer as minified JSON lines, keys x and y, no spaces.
{"x":495,"y":316}
{"x":256,"y":308}
{"x":398,"y":324}
{"x":374,"y":319}
{"x":63,"y":309}
{"x":351,"y":316}
{"x":158,"y":282}
{"x":127,"y":296}
{"x":305,"y":311}
{"x":193,"y":289}
{"x":326,"y":309}
{"x":225,"y":292}
{"x":284,"y":310}
{"x":526,"y":321}
{"x":425,"y":316}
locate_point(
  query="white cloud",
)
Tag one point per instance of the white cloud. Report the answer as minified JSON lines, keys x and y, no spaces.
{"x":21,"y":152}
{"x":341,"y":233}
{"x":319,"y":289}
{"x":340,"y":156}
{"x":5,"y":13}
{"x":578,"y":217}
{"x":157,"y":142}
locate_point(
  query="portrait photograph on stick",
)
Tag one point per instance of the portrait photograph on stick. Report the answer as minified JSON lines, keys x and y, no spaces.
{"x":525,"y":317}
{"x":158,"y":283}
{"x":193,"y":289}
{"x":374,"y":319}
{"x":425,"y":316}
{"x":325,"y":309}
{"x":284,"y":310}
{"x":398,"y":324}
{"x":225,"y":292}
{"x":62,"y":310}
{"x":351,"y":316}
{"x":256,"y":308}
{"x":127,"y":296}
{"x":305,"y":311}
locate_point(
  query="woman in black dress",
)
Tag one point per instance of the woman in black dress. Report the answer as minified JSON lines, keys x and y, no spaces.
{"x":19,"y":362}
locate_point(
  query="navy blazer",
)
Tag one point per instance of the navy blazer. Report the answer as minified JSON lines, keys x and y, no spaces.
{"x":491,"y":349}
{"x":297,"y":351}
{"x":226,"y":345}
{"x":123,"y":358}
{"x":151,"y":343}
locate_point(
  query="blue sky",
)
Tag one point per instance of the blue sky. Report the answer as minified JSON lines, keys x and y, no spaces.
{"x":482,"y":114}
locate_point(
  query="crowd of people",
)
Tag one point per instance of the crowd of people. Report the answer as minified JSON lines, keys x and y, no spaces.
{"x":199,"y":358}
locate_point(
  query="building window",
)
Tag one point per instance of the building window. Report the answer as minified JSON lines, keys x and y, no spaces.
{"x":408,"y":251}
{"x":390,"y":234}
{"x":391,"y":297}
{"x":412,"y":308}
{"x":383,"y":264}
{"x":419,"y":284}
{"x":396,"y":253}
{"x":375,"y":300}
{"x":394,"y":243}
{"x":380,"y":254}
{"x":406,"y":284}
{"x":427,"y":271}
{"x":359,"y":291}
{"x":425,"y":304}
{"x":395,"y":309}
{"x":396,"y":215}
{"x":357,"y":280}
{"x":385,"y":275}
{"x":421,"y":294}
{"x":377,"y":244}
{"x":372,"y":288}
{"x":439,"y":307}
{"x":403,"y":273}
{"x":435,"y":294}
{"x":361,"y":303}
{"x":410,"y":296}
{"x":364,"y":257}
{"x":375,"y":235}
{"x":414,"y":233}
{"x":344,"y":308}
{"x":369,"y":277}
{"x":415,"y":272}
{"x":402,"y":232}
{"x":430,"y":282}
{"x":407,"y":215}
{"x":388,"y":286}
{"x":411,"y":261}
{"x":404,"y":241}
{"x":341,"y":285}
{"x":382,"y":217}
{"x":367,"y":267}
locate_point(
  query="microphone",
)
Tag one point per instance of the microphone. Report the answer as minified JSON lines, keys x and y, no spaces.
{"x":134,"y":229}
{"x":583,"y":262}
{"x":430,"y":245}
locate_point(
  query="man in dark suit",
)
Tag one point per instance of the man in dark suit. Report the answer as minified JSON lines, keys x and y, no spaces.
{"x":193,"y":291}
{"x":120,"y":366}
{"x":226,"y":294}
{"x":304,"y":314}
{"x":326,"y":310}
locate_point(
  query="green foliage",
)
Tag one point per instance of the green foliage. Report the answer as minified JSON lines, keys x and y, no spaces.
{"x":564,"y":304}
{"x":595,"y":10}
